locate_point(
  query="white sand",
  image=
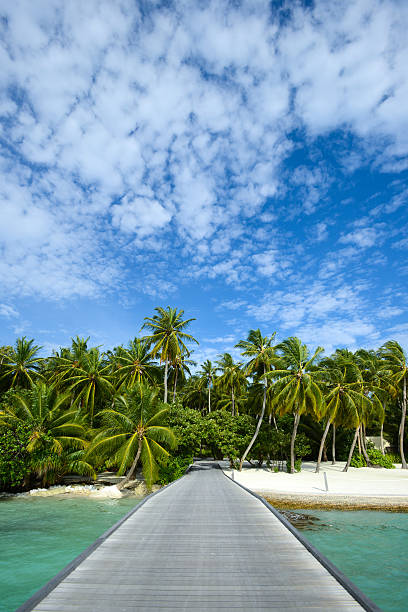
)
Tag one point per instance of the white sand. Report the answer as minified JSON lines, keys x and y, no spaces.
{"x":357,"y":482}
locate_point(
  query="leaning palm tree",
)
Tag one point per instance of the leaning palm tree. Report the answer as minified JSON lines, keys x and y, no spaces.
{"x":296,"y":389}
{"x":342,"y":362}
{"x":376,"y":381}
{"x":355,"y":414}
{"x":53,"y":429}
{"x":395,"y":366}
{"x":346,"y":400}
{"x":21,"y":364}
{"x":168,"y":337}
{"x":135,"y":429}
{"x":261,"y":353}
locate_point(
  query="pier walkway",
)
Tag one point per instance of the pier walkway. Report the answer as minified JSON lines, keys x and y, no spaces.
{"x":203,"y":543}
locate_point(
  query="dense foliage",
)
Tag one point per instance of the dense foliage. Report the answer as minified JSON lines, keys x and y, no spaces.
{"x":14,"y":457}
{"x":82,"y":410}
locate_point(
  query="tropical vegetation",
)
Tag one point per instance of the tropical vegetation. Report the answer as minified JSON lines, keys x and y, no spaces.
{"x":148,"y":407}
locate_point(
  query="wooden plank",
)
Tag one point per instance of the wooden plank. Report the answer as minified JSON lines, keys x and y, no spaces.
{"x":202,"y":544}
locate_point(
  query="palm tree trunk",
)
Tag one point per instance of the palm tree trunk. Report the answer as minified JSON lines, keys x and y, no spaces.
{"x":359,"y":441}
{"x":92,"y":405}
{"x":382,"y":439}
{"x":233,"y":402}
{"x":175,"y":386}
{"x":166,"y":367}
{"x":363,"y":446}
{"x":292,"y":443}
{"x":319,"y":457}
{"x":258,"y":426}
{"x":346,"y":467}
{"x":402,"y":425}
{"x":209,"y":398}
{"x":334,"y":445}
{"x":132,"y":467}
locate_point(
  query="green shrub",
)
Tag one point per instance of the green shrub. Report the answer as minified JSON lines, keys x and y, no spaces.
{"x":298,"y":465}
{"x":376,"y":458}
{"x":227,"y":435}
{"x":188,"y":426}
{"x":174,"y":468}
{"x":358,"y":461}
{"x":394,"y":457}
{"x":14,"y":458}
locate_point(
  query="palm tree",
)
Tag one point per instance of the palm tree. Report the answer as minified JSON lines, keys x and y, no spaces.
{"x":21,"y":364}
{"x":135,"y":429}
{"x":181,"y":364}
{"x":261,"y":353}
{"x":232,"y":378}
{"x":345,"y":360}
{"x":133,"y":364}
{"x":63,"y":363}
{"x":224,"y":399}
{"x":296,"y":389}
{"x":345,"y":399}
{"x":396,"y":369}
{"x":167,"y":337}
{"x":208,"y":374}
{"x":54,"y":431}
{"x":371,"y":367}
{"x":89,"y":381}
{"x":193,"y":393}
{"x":5,"y":352}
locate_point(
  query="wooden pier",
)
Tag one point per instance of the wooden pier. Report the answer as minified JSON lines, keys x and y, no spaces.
{"x":202,"y":543}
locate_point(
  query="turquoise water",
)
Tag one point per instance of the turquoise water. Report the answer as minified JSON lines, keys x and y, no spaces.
{"x":370,"y":547}
{"x":40,"y":535}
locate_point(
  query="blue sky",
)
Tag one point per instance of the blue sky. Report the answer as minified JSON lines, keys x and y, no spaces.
{"x":245,"y":161}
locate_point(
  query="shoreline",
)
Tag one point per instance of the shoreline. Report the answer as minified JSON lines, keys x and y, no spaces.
{"x":330,"y":489}
{"x":292,"y":501}
{"x":139,"y":490}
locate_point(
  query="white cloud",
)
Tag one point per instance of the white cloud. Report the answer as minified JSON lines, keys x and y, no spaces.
{"x":232,"y":304}
{"x":50,"y":247}
{"x":353,"y":334}
{"x":314,"y":184}
{"x":363,"y":238}
{"x":228,"y":340}
{"x":401,"y":244}
{"x":388,"y":312}
{"x":140,"y":215}
{"x":321,"y":231}
{"x":266,"y":262}
{"x":362,"y":82}
{"x":319,"y":315}
{"x":8,"y":311}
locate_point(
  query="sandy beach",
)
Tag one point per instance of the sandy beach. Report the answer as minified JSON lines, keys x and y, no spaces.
{"x":359,"y":488}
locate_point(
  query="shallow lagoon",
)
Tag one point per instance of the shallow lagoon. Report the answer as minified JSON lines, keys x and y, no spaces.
{"x":370,"y":547}
{"x":40,"y":535}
